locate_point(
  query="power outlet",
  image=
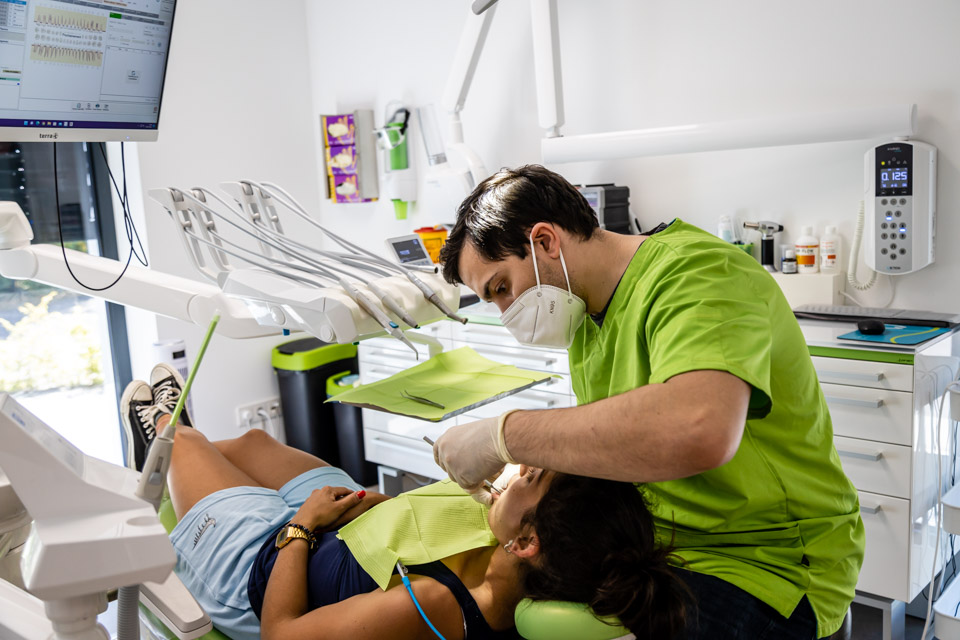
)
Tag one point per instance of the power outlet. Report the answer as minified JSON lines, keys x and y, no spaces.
{"x":251,"y":416}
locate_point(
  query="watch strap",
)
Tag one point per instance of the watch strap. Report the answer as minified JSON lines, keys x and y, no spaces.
{"x":299,"y":532}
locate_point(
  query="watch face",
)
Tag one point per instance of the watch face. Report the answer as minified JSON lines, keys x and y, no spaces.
{"x":287,"y":534}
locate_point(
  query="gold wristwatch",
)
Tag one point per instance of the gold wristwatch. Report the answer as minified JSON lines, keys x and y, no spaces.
{"x":292,"y":532}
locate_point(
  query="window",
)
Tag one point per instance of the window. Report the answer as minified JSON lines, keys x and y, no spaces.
{"x":64,"y":354}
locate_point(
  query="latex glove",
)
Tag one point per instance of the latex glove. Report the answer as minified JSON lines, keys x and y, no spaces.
{"x":474,"y":452}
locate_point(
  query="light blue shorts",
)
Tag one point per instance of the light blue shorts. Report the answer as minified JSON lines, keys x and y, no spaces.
{"x":218,"y":539}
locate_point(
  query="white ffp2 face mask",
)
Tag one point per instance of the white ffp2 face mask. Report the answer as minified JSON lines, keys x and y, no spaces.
{"x":544,"y":315}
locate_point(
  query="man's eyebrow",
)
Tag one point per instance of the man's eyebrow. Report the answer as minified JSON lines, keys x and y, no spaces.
{"x":486,"y":288}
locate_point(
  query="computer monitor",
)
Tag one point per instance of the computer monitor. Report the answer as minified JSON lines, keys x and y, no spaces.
{"x":82,"y":70}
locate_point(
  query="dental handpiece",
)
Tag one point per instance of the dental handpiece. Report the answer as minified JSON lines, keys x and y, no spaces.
{"x":374,"y":311}
{"x":489,"y":485}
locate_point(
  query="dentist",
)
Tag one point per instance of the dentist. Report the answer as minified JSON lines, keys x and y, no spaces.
{"x":692,"y":376}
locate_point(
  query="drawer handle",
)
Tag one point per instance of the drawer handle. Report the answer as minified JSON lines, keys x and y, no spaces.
{"x":850,"y":375}
{"x":385,"y":372}
{"x":862,"y":455}
{"x":855,"y":402}
{"x":545,"y":361}
{"x":402,"y":448}
{"x":484,"y":330}
{"x":865,"y":509}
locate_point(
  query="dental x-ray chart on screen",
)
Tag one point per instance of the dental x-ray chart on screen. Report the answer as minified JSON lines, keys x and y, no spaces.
{"x":78,"y":69}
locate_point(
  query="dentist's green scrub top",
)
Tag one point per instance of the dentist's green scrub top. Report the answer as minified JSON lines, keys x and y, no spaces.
{"x":781,"y":519}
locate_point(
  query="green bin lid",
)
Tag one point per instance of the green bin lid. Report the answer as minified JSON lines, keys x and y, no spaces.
{"x":340,"y":382}
{"x":310,"y":353}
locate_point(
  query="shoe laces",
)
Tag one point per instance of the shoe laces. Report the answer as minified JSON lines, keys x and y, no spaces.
{"x":167,"y":394}
{"x":149,"y":414}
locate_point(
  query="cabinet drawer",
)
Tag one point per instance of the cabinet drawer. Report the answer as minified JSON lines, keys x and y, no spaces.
{"x":886,"y":522}
{"x":861,"y":373}
{"x":398,"y":452}
{"x":481,"y":333}
{"x":877,"y":467}
{"x":870,"y":414}
{"x":549,"y":360}
{"x":384,"y":349}
{"x":404,"y":426}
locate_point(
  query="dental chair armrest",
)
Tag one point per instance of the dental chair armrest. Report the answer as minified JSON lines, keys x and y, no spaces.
{"x":554,"y":620}
{"x":172,"y":604}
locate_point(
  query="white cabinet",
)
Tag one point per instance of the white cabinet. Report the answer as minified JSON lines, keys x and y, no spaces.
{"x":397,"y":441}
{"x":883,"y":404}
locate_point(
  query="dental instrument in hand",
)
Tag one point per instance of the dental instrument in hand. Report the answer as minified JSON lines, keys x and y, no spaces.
{"x":486,"y":483}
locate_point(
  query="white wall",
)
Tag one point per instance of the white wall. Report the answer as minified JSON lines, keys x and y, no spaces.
{"x":629,"y":65}
{"x":246,"y":87}
{"x":236,"y":106}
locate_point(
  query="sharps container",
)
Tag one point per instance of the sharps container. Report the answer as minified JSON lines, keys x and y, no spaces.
{"x":303,"y":368}
{"x":349,"y":423}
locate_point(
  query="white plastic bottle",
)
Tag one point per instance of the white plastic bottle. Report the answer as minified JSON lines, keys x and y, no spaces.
{"x":808,"y":251}
{"x":830,"y":250}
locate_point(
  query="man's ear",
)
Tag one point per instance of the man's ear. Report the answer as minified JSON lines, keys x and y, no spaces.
{"x":526,"y":547}
{"x":545,"y":236}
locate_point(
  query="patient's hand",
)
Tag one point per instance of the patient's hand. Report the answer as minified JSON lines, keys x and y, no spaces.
{"x":325,"y":506}
{"x":370,"y":500}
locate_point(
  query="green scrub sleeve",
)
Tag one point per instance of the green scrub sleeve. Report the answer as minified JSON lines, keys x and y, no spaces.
{"x":705,"y":318}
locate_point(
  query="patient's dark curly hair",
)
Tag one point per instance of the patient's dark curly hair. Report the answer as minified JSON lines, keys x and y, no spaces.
{"x":597,"y":546}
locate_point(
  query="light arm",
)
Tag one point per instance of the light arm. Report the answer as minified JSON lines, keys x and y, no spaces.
{"x":161,"y":293}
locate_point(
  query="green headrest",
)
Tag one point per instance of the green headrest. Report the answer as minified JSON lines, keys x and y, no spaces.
{"x":554,"y":620}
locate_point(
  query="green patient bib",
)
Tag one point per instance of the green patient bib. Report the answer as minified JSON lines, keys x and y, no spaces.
{"x":417,"y":527}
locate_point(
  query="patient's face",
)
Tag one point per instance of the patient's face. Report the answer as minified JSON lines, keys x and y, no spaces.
{"x":523,"y":492}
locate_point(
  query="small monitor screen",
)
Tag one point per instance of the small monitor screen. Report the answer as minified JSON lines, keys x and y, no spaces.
{"x":894,"y":177}
{"x":83,"y":64}
{"x":409,"y":251}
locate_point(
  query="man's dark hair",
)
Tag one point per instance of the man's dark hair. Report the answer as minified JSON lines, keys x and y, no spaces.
{"x":497,"y":217}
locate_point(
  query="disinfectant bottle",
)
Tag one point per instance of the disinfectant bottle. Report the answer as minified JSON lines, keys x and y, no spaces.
{"x":808,"y":250}
{"x":830,"y":250}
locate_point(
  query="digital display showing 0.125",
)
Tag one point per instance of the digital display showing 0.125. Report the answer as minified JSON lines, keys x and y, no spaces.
{"x":893,"y":178}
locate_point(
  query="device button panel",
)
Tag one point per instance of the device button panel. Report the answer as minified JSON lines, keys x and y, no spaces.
{"x":893,"y":225}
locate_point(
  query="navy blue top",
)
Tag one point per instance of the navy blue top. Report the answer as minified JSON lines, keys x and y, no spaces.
{"x":333,"y":575}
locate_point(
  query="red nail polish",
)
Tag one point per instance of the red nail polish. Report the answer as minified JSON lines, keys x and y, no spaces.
{"x":361,"y":493}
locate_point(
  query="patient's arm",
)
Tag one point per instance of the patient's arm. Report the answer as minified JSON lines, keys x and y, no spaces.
{"x":369,"y":616}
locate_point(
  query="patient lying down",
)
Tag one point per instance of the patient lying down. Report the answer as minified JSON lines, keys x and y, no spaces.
{"x":548,"y":536}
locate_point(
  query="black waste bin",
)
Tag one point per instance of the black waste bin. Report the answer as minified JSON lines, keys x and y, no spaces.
{"x":303,"y":367}
{"x":349,"y":420}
